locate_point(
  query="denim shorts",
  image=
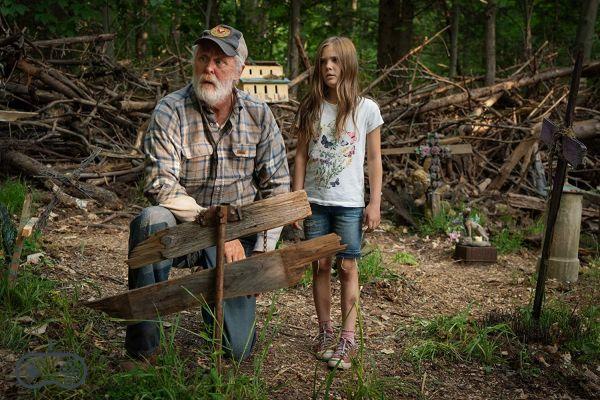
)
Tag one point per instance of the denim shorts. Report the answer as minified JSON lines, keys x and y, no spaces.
{"x":346,"y":222}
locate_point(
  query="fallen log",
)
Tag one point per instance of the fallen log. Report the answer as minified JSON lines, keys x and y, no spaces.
{"x":591,"y":69}
{"x":518,"y":153}
{"x":104,"y":37}
{"x":38,"y":170}
{"x":583,"y":129}
{"x":188,"y":237}
{"x":257,"y":274}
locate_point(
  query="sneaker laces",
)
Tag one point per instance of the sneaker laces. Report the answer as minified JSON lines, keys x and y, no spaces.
{"x":324,"y":338}
{"x":344,"y":347}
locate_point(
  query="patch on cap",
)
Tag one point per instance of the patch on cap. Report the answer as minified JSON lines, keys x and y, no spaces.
{"x":220,"y":31}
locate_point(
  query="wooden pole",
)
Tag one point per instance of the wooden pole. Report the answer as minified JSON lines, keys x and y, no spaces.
{"x":219,"y":273}
{"x":557,"y":188}
{"x":21,"y":235}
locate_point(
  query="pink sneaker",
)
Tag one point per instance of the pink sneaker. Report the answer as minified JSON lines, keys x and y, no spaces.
{"x":324,"y":344}
{"x":343,"y":355}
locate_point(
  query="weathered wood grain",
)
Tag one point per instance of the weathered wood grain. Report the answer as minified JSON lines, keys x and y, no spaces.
{"x":188,"y":237}
{"x":261,"y":273}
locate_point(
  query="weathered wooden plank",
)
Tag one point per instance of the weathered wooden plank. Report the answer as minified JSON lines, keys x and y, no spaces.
{"x":188,"y":237}
{"x":261,"y":273}
{"x":455,"y":149}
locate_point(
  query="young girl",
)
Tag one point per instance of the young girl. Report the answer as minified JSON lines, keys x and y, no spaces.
{"x":334,"y":126}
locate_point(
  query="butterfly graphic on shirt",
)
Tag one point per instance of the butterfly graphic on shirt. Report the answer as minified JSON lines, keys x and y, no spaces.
{"x":326,"y":142}
{"x":335,"y":183}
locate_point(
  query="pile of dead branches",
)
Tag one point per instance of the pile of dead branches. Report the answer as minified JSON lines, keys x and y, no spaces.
{"x":65,"y":99}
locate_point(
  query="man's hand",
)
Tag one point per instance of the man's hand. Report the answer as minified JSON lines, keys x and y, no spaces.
{"x":234,"y":251}
{"x":296,"y":225}
{"x":372,"y":216}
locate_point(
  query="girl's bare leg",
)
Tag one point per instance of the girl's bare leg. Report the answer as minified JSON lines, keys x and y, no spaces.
{"x":322,"y":289}
{"x":349,"y":282}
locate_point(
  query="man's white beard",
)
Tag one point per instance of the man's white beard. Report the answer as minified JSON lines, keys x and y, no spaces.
{"x":210,"y":94}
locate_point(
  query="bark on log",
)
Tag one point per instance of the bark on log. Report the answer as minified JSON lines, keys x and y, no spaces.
{"x":399,"y":208}
{"x":75,"y":39}
{"x":591,"y":69}
{"x":583,"y":129}
{"x":37,"y":170}
{"x":518,"y":153}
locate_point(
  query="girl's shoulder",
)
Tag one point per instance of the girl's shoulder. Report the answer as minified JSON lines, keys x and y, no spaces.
{"x":367,"y":104}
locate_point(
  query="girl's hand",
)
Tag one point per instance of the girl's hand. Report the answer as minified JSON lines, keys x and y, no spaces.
{"x":372,"y":216}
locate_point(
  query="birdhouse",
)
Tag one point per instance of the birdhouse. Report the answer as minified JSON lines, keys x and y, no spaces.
{"x":265,"y":80}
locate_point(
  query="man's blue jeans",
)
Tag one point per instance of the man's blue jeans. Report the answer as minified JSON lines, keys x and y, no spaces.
{"x":142,"y":339}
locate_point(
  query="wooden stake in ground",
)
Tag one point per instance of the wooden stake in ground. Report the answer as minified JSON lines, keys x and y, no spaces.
{"x":221,"y":234}
{"x":562,"y":141}
{"x":257,"y":274}
{"x":26,"y":225}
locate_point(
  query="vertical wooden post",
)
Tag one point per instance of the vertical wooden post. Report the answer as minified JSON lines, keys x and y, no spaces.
{"x":21,"y":235}
{"x":219,"y":272}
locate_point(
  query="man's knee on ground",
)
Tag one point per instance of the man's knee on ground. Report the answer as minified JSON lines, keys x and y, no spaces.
{"x":155,"y":215}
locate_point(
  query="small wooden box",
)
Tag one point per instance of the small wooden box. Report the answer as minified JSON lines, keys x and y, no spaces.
{"x":474,"y":254}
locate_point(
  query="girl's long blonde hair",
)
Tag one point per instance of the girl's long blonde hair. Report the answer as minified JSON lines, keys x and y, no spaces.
{"x":309,"y":112}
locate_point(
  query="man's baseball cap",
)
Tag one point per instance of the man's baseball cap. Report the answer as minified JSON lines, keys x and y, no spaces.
{"x":227,"y":38}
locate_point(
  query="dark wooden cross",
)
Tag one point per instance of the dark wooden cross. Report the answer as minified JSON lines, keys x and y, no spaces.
{"x":561,"y":139}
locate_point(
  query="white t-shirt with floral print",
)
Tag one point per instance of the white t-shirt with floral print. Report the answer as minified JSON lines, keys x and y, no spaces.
{"x":335,"y":167}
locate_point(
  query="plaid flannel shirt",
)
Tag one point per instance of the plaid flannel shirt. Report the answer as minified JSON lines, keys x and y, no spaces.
{"x":190,"y":155}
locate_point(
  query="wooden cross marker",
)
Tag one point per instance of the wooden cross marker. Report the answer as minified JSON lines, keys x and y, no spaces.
{"x":257,"y":274}
{"x":561,"y":140}
{"x":436,"y":152}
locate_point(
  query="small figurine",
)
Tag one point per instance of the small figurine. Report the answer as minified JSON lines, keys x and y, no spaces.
{"x":471,"y":227}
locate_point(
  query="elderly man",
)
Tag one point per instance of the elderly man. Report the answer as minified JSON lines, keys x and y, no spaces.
{"x":208,"y":144}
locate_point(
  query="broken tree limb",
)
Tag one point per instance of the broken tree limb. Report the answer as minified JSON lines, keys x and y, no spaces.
{"x":400,"y":61}
{"x":257,"y":274}
{"x":399,"y":208}
{"x":188,"y":237}
{"x":583,"y":129}
{"x":104,"y":37}
{"x":591,"y":69}
{"x":300,"y":77}
{"x":38,"y":170}
{"x":518,"y":153}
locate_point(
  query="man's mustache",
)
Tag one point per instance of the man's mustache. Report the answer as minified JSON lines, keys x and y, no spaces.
{"x":208,"y":78}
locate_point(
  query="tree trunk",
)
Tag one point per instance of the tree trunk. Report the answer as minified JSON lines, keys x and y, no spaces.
{"x":141,"y":39}
{"x":527,"y":13}
{"x":293,"y":54}
{"x":406,"y":27}
{"x":585,"y":31}
{"x":106,"y":25}
{"x":395,"y":30}
{"x":490,"y":42}
{"x":454,"y":38}
{"x":211,"y":15}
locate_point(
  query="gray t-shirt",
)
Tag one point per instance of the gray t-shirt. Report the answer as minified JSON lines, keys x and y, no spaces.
{"x":334,"y":171}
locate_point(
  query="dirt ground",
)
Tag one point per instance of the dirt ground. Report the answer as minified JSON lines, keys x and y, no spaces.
{"x":95,"y":255}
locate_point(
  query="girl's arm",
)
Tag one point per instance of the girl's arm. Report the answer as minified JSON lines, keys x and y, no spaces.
{"x":372,"y":216}
{"x":300,"y":160}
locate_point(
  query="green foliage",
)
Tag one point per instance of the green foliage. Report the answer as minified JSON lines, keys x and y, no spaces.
{"x":402,"y":257}
{"x":371,"y":268}
{"x":508,"y":241}
{"x":12,"y":195}
{"x":561,"y":324}
{"x":458,"y":337}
